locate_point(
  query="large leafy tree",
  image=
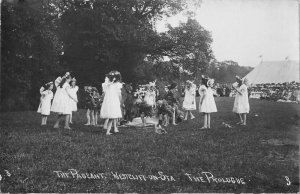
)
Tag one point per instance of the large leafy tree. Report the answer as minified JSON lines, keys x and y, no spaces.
{"x":29,"y":53}
{"x":103,"y":35}
{"x":41,"y":39}
{"x":188,"y":49}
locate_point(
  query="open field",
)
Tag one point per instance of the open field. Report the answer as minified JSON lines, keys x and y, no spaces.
{"x":263,"y":155}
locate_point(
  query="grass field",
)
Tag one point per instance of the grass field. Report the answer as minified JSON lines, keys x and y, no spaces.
{"x":264,"y":154}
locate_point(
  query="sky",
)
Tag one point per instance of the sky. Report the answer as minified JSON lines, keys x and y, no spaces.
{"x":243,"y":30}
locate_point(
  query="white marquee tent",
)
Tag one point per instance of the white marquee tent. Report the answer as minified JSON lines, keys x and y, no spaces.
{"x":274,"y":72}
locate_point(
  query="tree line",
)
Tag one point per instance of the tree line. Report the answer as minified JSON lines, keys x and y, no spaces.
{"x":42,"y":39}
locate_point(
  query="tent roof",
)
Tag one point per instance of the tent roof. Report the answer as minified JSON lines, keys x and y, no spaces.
{"x":274,"y":72}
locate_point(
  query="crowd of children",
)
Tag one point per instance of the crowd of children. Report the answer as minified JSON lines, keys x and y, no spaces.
{"x":118,"y":102}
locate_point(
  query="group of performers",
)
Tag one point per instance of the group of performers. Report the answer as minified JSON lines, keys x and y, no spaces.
{"x":118,"y":104}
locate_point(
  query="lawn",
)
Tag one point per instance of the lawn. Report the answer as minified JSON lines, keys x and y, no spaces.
{"x":260,"y":157}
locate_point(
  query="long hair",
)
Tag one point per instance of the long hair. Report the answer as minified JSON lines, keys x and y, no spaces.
{"x":204,"y":82}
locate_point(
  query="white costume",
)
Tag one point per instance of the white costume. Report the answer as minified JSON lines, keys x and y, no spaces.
{"x":241,"y":101}
{"x":73,"y":93}
{"x":189,"y":102}
{"x":111,"y":106}
{"x":208,"y":103}
{"x":62,"y":103}
{"x":45,"y":104}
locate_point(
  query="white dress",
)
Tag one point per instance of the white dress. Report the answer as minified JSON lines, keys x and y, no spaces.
{"x":57,"y":95}
{"x":62,"y":103}
{"x":208,"y":104}
{"x":73,"y":92}
{"x":189,"y":102}
{"x":45,"y":104}
{"x":150,"y":98}
{"x":111,"y":106}
{"x":241,"y":102}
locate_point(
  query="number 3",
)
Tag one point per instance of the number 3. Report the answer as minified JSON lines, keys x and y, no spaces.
{"x":288,"y":181}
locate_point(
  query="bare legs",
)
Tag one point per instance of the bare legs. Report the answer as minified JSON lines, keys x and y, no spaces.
{"x":208,"y":120}
{"x":67,"y":126}
{"x":44,"y":120}
{"x":111,"y":122}
{"x":71,"y":118}
{"x":115,"y":126}
{"x":56,"y":125}
{"x":187,"y":113}
{"x":67,"y":120}
{"x":88,"y":117}
{"x":143,"y":119}
{"x":174,"y":117}
{"x":243,"y":118}
{"x":206,"y":123}
{"x":93,"y":118}
{"x":105,"y":126}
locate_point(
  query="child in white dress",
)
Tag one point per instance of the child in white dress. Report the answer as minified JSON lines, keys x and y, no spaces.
{"x":207,"y":103}
{"x":45,"y":102}
{"x":111,"y":106}
{"x":150,"y":97}
{"x":189,"y":102}
{"x":62,"y":105}
{"x":241,"y":102}
{"x":73,"y":92}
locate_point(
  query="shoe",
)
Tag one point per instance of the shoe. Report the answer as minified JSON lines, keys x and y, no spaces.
{"x":56,"y":127}
{"x":108,"y":133}
{"x":87,"y":124}
{"x":116,"y":131}
{"x":67,"y":128}
{"x":193,"y":117}
{"x":203,"y":128}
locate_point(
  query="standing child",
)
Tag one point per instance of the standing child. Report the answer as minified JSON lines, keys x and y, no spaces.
{"x":88,"y":95}
{"x":62,"y":105}
{"x":207,"y":103}
{"x":45,"y":104}
{"x":189,"y":102}
{"x":96,"y":106}
{"x":241,"y":102}
{"x":73,"y":92}
{"x":111,"y":107}
{"x":150,"y":96}
{"x":162,"y":113}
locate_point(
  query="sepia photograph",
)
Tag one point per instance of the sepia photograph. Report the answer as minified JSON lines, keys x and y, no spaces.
{"x":150,"y":96}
